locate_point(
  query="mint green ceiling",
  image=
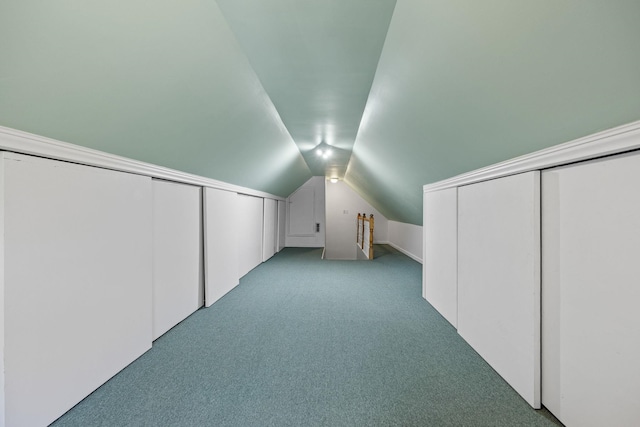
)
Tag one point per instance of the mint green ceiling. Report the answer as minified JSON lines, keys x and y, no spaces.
{"x":316,"y":60}
{"x":465,"y":84}
{"x":240,"y":91}
{"x":164,"y":82}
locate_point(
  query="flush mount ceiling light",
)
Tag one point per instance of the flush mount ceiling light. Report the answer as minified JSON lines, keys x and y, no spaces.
{"x":325,"y":154}
{"x":333,"y":180}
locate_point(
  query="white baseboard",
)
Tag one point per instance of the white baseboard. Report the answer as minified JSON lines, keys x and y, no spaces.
{"x":402,"y":250}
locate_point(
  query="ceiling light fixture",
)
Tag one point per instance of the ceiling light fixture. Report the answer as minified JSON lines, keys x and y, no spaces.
{"x":333,"y":180}
{"x":326,"y":154}
{"x":319,"y":152}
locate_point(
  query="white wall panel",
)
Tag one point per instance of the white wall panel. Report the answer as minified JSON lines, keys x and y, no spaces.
{"x":250,"y":222}
{"x":407,"y":238}
{"x":76,"y":282}
{"x":440,"y":259}
{"x":499,"y":277}
{"x":221,"y":224}
{"x":591,"y":321}
{"x":270,"y":228}
{"x":177,"y":254}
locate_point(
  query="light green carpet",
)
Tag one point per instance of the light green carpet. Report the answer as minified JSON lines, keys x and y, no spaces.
{"x":310,"y":342}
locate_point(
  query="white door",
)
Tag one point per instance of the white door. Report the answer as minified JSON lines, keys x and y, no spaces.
{"x":591,"y":292}
{"x":270,"y":228}
{"x":282,"y":232}
{"x":499,"y":277}
{"x":302,"y":213}
{"x":440,"y":264}
{"x":221,"y":242}
{"x":177,"y":254}
{"x":76,"y":282}
{"x":250,"y":223}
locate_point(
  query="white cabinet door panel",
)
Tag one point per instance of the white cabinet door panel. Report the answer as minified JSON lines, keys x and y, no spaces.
{"x":270,"y":229}
{"x":221,"y":218}
{"x":499,"y":277}
{"x":177,"y":254}
{"x":440,"y":262}
{"x":591,"y":291}
{"x":250,"y":233}
{"x":77,"y":282}
{"x":282,"y":232}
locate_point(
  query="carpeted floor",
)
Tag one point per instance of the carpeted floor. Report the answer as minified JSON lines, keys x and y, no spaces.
{"x":310,"y":342}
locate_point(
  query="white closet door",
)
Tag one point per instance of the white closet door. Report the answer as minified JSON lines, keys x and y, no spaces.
{"x":499,"y":277}
{"x":270,"y":228}
{"x":302,"y":212}
{"x":177,"y":254}
{"x":440,"y":264}
{"x":250,"y":222}
{"x":77,"y":282}
{"x":282,"y":221}
{"x":221,"y":218}
{"x":591,"y":292}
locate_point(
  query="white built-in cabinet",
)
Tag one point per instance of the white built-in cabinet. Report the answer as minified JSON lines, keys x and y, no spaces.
{"x":282,"y":223}
{"x":221,"y":224}
{"x":178,"y":271}
{"x":440,"y":260}
{"x":546,"y":274}
{"x":76,"y":284}
{"x":270,"y":229}
{"x":96,"y":263}
{"x":499,"y":277}
{"x":250,"y":232}
{"x":591,"y":292}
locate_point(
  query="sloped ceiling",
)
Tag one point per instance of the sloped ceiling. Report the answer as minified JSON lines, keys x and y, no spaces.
{"x":413,"y":92}
{"x":163,"y":82}
{"x":316,"y":60}
{"x":465,"y":84}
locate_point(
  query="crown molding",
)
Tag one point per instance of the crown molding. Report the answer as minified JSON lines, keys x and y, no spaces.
{"x":612,"y":141}
{"x":27,"y":143}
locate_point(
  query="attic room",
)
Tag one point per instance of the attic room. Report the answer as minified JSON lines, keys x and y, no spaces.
{"x":228,"y":144}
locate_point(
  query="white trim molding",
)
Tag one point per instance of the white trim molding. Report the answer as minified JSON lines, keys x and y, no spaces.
{"x":616,"y":140}
{"x":404,"y":251}
{"x":27,"y":143}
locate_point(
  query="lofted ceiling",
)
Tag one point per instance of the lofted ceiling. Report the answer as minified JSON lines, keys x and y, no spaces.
{"x":316,"y":61}
{"x":404,"y":94}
